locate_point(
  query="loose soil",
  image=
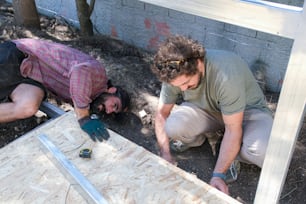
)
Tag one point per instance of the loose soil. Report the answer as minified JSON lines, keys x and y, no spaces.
{"x":129,"y":67}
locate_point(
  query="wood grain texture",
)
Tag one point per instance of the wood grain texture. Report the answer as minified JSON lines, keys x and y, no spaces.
{"x":122,"y":171}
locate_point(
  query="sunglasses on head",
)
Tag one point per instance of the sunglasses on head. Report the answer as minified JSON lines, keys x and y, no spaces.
{"x":173,"y":64}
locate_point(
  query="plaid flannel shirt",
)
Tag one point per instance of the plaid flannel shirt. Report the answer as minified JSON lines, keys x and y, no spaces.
{"x":66,"y":72}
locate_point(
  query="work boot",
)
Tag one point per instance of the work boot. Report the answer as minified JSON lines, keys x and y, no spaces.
{"x":178,"y":146}
{"x":214,"y":140}
{"x":231,"y":174}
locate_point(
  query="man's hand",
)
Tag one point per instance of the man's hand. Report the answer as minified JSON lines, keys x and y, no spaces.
{"x":219,"y":184}
{"x":94,"y":128}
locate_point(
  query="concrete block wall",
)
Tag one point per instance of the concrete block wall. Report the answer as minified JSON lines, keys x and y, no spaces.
{"x":145,"y":26}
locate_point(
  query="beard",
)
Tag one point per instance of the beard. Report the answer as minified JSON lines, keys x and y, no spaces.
{"x":97,"y":105}
{"x":200,"y":77}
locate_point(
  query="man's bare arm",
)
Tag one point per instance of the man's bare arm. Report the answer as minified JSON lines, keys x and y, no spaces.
{"x":229,"y":149}
{"x":162,"y":114}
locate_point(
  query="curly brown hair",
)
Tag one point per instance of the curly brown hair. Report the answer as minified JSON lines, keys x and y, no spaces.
{"x":177,"y":56}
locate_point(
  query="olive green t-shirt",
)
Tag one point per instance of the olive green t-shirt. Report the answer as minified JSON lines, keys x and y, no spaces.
{"x":228,"y":86}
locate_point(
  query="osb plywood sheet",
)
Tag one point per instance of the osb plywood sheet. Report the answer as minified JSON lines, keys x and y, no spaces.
{"x":120,"y":170}
{"x":28,"y":176}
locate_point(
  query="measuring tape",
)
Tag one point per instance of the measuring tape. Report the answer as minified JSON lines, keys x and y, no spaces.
{"x":85,"y":153}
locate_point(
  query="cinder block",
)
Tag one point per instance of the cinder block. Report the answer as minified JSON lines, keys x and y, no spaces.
{"x":146,"y":25}
{"x":156,"y":10}
{"x":133,"y":4}
{"x":239,"y":30}
{"x":180,"y":16}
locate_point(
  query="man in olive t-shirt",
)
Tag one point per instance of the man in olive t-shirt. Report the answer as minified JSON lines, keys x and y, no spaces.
{"x":219,"y":93}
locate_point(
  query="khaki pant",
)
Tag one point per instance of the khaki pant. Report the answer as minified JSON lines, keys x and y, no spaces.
{"x":192,"y":126}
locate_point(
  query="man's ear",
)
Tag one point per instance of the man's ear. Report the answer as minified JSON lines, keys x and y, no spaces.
{"x":112,"y":90}
{"x":200,"y":65}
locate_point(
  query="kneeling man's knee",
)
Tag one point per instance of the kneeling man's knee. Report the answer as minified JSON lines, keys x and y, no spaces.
{"x":254,"y":154}
{"x":174,"y":127}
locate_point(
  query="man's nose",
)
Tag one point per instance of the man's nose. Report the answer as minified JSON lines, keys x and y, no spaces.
{"x":108,"y":110}
{"x":184,"y":87}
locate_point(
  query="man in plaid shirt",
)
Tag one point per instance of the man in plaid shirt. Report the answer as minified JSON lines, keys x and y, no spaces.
{"x":29,"y":68}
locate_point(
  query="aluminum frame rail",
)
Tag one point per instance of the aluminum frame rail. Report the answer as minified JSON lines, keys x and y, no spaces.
{"x":51,"y":110}
{"x":85,"y":188}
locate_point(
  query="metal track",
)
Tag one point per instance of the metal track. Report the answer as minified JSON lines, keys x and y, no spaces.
{"x":51,"y":110}
{"x":85,"y":188}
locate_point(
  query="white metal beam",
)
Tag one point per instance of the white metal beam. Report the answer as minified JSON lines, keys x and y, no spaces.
{"x":287,"y":123}
{"x":269,"y":19}
{"x":289,"y":115}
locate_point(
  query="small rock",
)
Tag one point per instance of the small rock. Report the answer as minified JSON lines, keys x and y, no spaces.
{"x":142,"y":113}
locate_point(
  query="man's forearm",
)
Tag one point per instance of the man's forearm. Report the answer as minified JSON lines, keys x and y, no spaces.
{"x":163,"y":140}
{"x":231,"y":141}
{"x":161,"y":136}
{"x":229,"y":150}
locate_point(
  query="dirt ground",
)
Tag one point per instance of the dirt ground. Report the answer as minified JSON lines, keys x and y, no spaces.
{"x":130,"y":67}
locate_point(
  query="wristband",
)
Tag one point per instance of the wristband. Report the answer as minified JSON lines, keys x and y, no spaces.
{"x":86,"y":118}
{"x":219,"y":175}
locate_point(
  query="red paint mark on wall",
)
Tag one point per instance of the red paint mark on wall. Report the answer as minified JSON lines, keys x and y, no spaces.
{"x":162,"y":28}
{"x":153,"y":42}
{"x":114,"y":32}
{"x":147,"y":23}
